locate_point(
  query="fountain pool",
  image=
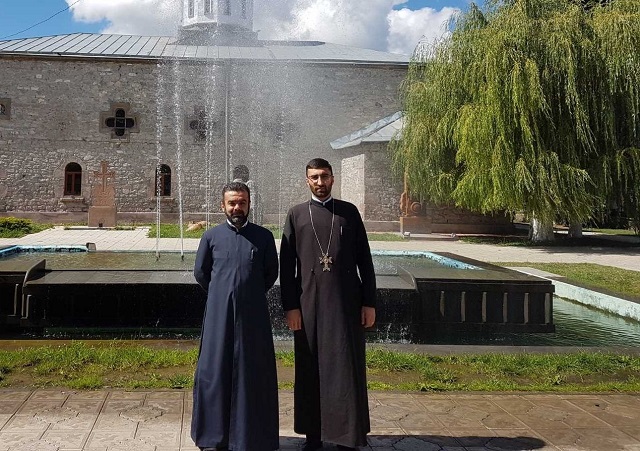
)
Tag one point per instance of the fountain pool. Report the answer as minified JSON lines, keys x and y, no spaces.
{"x":418,"y":293}
{"x":136,"y":298}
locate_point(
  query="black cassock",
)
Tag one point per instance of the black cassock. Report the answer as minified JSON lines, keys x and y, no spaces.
{"x":235,"y":394}
{"x":330,"y":372}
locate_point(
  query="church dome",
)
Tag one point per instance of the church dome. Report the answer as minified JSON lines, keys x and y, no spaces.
{"x":220,"y":21}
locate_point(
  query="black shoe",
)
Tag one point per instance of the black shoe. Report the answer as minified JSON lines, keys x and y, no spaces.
{"x":312,"y":445}
{"x":345,"y":448}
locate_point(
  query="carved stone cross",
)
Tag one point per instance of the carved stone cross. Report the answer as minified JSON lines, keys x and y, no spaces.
{"x":104,"y":189}
{"x":102,"y":212}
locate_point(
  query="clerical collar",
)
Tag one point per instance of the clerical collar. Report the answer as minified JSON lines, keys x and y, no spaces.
{"x":234,"y":227}
{"x":321,"y":202}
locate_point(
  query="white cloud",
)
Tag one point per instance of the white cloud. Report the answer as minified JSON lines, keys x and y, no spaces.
{"x":146,"y":17}
{"x":370,"y":24}
{"x":360,"y":23}
{"x":407,"y":27}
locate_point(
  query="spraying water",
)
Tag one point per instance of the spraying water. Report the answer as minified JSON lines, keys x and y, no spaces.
{"x":209,"y":118}
{"x":179,"y":135}
{"x":160,"y":96}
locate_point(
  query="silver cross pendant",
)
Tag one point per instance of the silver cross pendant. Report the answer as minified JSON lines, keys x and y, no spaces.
{"x":326,"y":261}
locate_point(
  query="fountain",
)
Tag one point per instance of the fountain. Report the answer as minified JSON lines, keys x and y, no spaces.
{"x":133,"y":294}
{"x":419,"y":294}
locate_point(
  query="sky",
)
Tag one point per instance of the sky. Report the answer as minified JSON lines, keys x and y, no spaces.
{"x":388,"y":25}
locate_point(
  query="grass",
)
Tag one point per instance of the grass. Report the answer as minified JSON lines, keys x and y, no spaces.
{"x":614,"y":280}
{"x":173,"y":231}
{"x":561,"y":240}
{"x":612,"y":231}
{"x":509,"y":372}
{"x":384,"y":236}
{"x":129,"y":365}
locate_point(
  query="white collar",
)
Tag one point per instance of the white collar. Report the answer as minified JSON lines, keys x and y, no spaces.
{"x":242,"y":226}
{"x":323,"y":202}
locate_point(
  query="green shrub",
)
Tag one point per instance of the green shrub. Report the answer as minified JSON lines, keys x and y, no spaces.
{"x":18,"y":224}
{"x":11,"y":227}
{"x":15,"y":227}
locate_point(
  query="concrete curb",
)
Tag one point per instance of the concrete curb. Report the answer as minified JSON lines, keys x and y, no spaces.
{"x":595,"y":299}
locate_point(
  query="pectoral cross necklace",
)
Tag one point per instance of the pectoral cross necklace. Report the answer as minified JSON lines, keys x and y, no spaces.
{"x":325,"y":260}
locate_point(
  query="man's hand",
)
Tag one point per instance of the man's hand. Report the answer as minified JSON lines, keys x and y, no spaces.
{"x":368,"y":316}
{"x":294,"y":319}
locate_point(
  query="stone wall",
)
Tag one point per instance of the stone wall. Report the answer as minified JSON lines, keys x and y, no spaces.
{"x":271,"y":118}
{"x":449,"y":219}
{"x":353,"y":182}
{"x":372,"y":181}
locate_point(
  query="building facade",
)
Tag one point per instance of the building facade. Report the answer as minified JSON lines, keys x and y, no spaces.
{"x":174,"y":118}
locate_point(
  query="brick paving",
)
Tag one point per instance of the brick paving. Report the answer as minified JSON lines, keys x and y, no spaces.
{"x":54,"y":420}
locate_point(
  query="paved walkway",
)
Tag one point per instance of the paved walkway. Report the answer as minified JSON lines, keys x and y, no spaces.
{"x":136,"y":240}
{"x":53,"y":420}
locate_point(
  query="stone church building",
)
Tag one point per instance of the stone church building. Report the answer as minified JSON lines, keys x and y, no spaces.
{"x":146,"y":123}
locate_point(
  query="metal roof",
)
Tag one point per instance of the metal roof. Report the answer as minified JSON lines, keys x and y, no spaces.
{"x":156,"y":47}
{"x":383,"y":130}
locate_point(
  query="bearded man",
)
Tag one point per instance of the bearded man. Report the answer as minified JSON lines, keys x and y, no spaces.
{"x":235,"y":393}
{"x":328,"y":290}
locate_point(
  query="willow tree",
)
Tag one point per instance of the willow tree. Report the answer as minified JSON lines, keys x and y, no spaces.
{"x":528,"y":106}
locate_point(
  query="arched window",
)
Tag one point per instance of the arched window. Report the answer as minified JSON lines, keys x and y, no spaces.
{"x":163,"y":180}
{"x":191,"y":8}
{"x":5,"y":109}
{"x":72,"y":180}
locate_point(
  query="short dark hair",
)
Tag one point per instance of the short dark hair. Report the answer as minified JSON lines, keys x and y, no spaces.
{"x":319,"y":163}
{"x":235,"y":186}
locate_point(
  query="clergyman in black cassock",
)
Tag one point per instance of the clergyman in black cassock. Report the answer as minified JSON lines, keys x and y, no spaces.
{"x":235,"y":395}
{"x":330,"y":397}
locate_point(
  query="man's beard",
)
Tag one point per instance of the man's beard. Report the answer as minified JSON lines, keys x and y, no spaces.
{"x":237,"y":220}
{"x":322,"y":193}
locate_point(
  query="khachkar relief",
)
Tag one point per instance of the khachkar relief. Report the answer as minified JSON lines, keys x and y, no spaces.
{"x":102,"y":212}
{"x":408,"y":205}
{"x":413,"y":217}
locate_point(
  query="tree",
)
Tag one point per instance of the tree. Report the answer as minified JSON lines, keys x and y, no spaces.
{"x":528,"y":105}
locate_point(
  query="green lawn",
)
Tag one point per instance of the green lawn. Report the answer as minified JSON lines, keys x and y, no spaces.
{"x":131,"y":365}
{"x":603,"y":239}
{"x":616,"y":280}
{"x":612,"y":231}
{"x":384,"y":236}
{"x":173,"y":231}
